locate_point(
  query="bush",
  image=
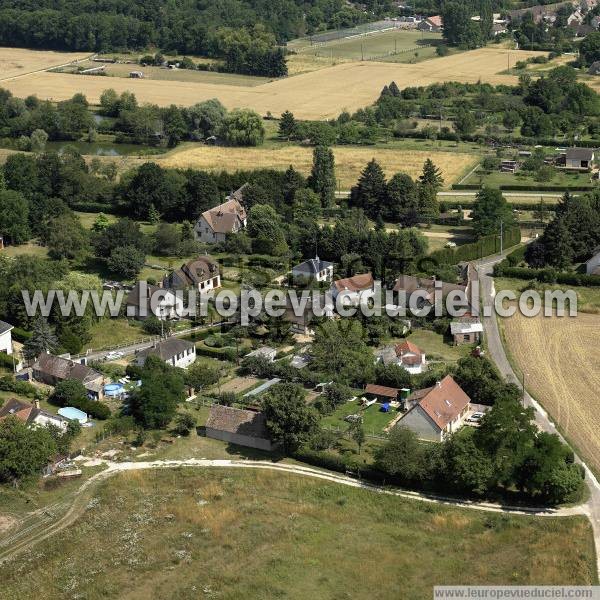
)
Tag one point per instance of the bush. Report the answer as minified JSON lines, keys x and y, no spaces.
{"x":20,"y":335}
{"x":16,"y":386}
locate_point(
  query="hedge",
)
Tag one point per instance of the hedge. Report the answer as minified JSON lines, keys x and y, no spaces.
{"x":503,"y":269}
{"x":514,"y":205}
{"x":527,"y":187}
{"x":23,"y":388}
{"x":20,"y":334}
{"x":6,"y":360}
{"x":93,"y":207}
{"x":226,"y":353}
{"x":485,"y":246}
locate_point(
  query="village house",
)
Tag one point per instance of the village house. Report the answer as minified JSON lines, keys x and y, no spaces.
{"x":592,"y":266}
{"x":425,"y":288}
{"x":466,"y":330}
{"x":6,"y":338}
{"x":31,"y":414}
{"x":238,"y":426}
{"x":146,"y":300}
{"x":353,"y":287}
{"x":435,"y":412}
{"x":201,"y":273}
{"x":304,"y":316}
{"x":313,"y":269}
{"x":406,"y":355}
{"x":173,"y":351}
{"x":230,"y":217}
{"x":580,"y":158}
{"x":433,"y":24}
{"x":50,"y":369}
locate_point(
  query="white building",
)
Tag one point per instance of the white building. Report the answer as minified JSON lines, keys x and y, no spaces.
{"x":173,"y":351}
{"x":215,"y":224}
{"x":592,"y":266}
{"x":5,"y":338}
{"x":31,"y":414}
{"x":353,"y":287}
{"x":201,"y":273}
{"x":266,"y":351}
{"x":406,"y":355}
{"x":313,"y":269}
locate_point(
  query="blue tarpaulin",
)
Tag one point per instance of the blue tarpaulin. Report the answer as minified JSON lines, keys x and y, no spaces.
{"x":385,"y":407}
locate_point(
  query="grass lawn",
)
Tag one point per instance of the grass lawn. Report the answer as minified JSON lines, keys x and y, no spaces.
{"x":588,"y":298}
{"x":29,"y":248}
{"x":88,"y":219}
{"x":436,"y":348}
{"x":110,"y":332}
{"x":560,"y":179}
{"x":228,"y":534}
{"x":373,"y":419}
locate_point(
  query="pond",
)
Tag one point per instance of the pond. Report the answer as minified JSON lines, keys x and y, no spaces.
{"x":105,"y":148}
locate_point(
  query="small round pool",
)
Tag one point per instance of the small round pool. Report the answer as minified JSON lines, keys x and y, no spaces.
{"x":114,"y":389}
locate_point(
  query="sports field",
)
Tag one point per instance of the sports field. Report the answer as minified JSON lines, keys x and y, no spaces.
{"x":19,"y":61}
{"x":561,"y":362}
{"x":229,"y":534}
{"x":350,"y":161}
{"x":316,"y":95}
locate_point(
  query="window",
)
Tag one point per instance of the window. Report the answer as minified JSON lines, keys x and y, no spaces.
{"x":466,"y":337}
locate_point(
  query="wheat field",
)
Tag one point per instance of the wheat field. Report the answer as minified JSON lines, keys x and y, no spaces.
{"x":15,"y":62}
{"x":316,"y":95}
{"x":350,"y":161}
{"x":561,"y":362}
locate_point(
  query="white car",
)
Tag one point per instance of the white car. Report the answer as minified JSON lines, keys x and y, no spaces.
{"x":113,"y":356}
{"x":475,"y":417}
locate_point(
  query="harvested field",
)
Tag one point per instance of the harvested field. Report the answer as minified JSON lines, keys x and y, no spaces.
{"x":19,"y":61}
{"x":316,"y":95}
{"x":229,"y":534}
{"x":349,"y":161}
{"x":562,"y":366}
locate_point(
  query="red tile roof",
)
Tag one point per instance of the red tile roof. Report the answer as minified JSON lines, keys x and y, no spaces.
{"x":381,"y":390}
{"x":442,"y":402}
{"x":357,"y":283}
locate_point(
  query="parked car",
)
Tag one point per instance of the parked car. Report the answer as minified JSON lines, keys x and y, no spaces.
{"x":475,"y":417}
{"x":113,"y":356}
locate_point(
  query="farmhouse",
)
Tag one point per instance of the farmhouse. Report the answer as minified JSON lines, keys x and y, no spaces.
{"x":353,"y":287}
{"x":173,"y":351}
{"x":313,"y":269}
{"x":6,"y":338}
{"x":201,"y":273}
{"x":31,"y":414}
{"x":229,"y":217}
{"x":238,"y":426}
{"x":466,"y":330}
{"x":433,"y":24}
{"x":145,"y":300}
{"x":50,"y":369}
{"x":435,"y":412}
{"x":580,"y":158}
{"x":592,"y":266}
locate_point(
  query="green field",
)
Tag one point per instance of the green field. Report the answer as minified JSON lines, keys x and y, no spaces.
{"x":228,"y":534}
{"x":496,"y":178}
{"x":436,"y":348}
{"x":391,"y":46}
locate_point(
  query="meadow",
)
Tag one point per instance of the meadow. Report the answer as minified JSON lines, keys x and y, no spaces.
{"x":253,"y":534}
{"x":319,"y":94}
{"x":562,"y":368}
{"x":15,"y":62}
{"x":350,"y":161}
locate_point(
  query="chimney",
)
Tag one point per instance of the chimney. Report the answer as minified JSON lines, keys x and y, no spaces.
{"x":438,"y":384}
{"x":37,"y":404}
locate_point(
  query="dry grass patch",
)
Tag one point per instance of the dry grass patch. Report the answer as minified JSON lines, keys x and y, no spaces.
{"x":562,"y":366}
{"x":272,"y":535}
{"x":320,"y":94}
{"x":350,"y":161}
{"x":19,"y":61}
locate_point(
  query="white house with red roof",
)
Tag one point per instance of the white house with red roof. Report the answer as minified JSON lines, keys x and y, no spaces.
{"x":352,"y":288}
{"x":230,"y":217}
{"x":435,"y":412}
{"x":406,"y":354}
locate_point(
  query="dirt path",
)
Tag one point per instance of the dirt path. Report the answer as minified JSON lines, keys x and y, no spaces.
{"x":24,"y":539}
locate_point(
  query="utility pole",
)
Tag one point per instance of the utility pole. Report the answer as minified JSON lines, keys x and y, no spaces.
{"x":501,"y":237}
{"x":523,"y":383}
{"x":362,"y":54}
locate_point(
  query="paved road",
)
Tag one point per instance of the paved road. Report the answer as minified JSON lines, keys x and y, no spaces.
{"x":21,"y":541}
{"x":498,"y":355}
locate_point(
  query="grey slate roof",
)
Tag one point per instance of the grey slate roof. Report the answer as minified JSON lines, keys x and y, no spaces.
{"x":63,"y":368}
{"x":4,"y":327}
{"x":312,"y":266}
{"x":580,"y":153}
{"x":168,"y":348}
